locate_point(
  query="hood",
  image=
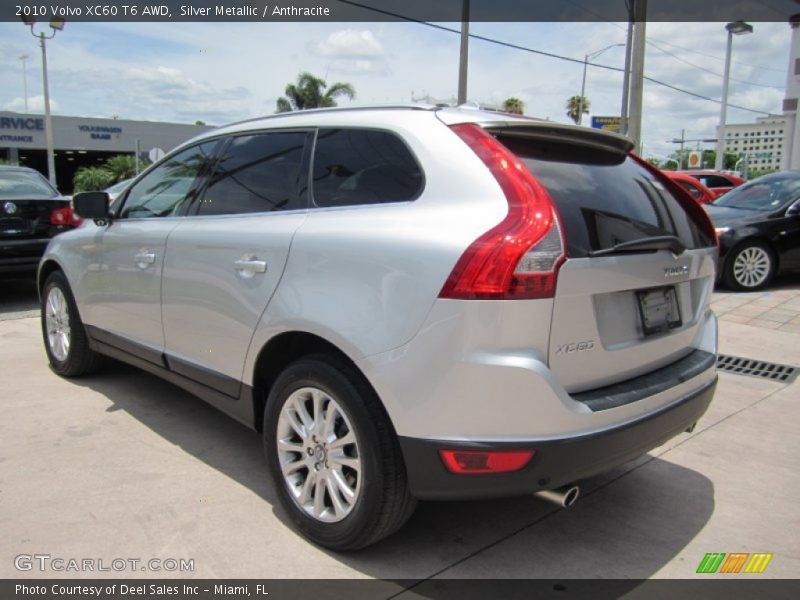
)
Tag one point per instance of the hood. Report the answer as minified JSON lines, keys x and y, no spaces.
{"x":723,"y":216}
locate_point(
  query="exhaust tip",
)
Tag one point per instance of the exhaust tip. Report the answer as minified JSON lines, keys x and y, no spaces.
{"x":563,"y":497}
{"x":571,"y":495}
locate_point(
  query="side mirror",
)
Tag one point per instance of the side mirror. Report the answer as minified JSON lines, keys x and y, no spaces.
{"x":794,"y":209}
{"x":92,"y":205}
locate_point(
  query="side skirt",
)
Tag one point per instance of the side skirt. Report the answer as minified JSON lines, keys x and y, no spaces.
{"x":208,"y":386}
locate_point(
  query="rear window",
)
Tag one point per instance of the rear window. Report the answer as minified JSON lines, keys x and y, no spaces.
{"x":363,"y":166}
{"x":604,"y":198}
{"x":24,"y":184}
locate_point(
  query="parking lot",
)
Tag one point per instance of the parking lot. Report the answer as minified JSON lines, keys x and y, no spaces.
{"x":124,"y":465}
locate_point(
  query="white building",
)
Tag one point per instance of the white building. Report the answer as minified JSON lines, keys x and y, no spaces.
{"x":761,"y":142}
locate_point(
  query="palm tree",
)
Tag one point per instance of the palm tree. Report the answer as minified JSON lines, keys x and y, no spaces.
{"x":514,"y":105}
{"x":574,"y":107}
{"x":312,"y":92}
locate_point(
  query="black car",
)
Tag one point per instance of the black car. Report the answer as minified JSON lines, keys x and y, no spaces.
{"x":31,"y":212}
{"x":758,"y":225}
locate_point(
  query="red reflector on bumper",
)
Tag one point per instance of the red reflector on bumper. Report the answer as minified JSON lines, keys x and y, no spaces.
{"x":477,"y":461}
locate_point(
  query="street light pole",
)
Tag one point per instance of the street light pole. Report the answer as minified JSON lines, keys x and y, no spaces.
{"x":24,"y":58}
{"x":735,"y":28}
{"x":48,"y":123}
{"x":583,"y":81}
{"x":56,"y":25}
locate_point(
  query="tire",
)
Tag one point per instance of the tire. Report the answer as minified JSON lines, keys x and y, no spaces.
{"x":750,"y":266}
{"x":362,"y":495}
{"x":64,"y":336}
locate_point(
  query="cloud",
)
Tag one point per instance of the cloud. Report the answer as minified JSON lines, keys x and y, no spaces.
{"x":352,"y":51}
{"x":35,"y":105}
{"x":349,"y":43}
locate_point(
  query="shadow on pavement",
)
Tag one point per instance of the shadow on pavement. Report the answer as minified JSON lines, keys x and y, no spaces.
{"x":629,"y":524}
{"x":18,"y":294}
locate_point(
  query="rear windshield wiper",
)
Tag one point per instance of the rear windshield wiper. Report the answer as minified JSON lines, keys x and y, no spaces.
{"x":659,"y":242}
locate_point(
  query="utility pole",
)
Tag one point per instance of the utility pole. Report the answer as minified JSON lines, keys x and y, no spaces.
{"x":462,"y":63}
{"x":626,"y":81}
{"x":637,"y":73}
{"x":791,"y":140}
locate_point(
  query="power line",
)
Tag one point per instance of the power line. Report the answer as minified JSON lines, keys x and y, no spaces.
{"x":548,"y":54}
{"x":720,"y":75}
{"x":618,"y":26}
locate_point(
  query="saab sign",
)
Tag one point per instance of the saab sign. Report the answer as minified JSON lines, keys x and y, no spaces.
{"x":613,"y":124}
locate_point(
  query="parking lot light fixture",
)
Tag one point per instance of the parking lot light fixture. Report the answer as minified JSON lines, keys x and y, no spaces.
{"x":734,"y":28}
{"x":583,"y":82}
{"x":56,"y":25}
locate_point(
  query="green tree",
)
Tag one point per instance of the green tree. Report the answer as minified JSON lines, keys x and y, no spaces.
{"x":753,"y":173}
{"x":92,"y":179}
{"x":514,"y":105}
{"x":312,"y":92}
{"x":573,"y":107}
{"x":199,"y":122}
{"x":122,"y":166}
{"x":656,"y":162}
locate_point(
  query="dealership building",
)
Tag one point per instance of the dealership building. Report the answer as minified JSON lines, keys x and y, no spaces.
{"x":83,"y":142}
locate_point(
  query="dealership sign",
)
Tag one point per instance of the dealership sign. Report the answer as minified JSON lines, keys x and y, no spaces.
{"x":613,"y":124}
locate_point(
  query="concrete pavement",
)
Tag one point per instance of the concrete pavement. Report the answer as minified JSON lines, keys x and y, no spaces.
{"x":123,"y":465}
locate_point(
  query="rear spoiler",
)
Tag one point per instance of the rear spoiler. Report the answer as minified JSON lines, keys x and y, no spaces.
{"x":564,"y":134}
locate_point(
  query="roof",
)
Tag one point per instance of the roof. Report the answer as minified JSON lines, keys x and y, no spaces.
{"x":346,"y":116}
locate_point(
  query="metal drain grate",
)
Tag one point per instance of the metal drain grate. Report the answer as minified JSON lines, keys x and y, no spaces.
{"x":757,"y":368}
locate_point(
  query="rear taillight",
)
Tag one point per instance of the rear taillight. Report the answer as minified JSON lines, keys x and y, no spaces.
{"x":518,"y":258}
{"x":65,"y":216}
{"x":472,"y":462}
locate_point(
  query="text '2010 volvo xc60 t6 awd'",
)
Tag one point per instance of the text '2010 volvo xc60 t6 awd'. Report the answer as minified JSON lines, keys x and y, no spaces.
{"x":408,"y":303}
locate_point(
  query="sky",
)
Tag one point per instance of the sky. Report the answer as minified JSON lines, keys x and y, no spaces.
{"x":224,"y":72}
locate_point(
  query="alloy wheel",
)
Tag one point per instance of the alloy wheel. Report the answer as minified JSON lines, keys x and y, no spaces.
{"x":319,"y":455}
{"x":57,"y":324}
{"x":752,"y":267}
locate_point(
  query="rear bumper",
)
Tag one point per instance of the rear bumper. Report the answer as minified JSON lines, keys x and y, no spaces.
{"x":557,"y":462}
{"x":21,"y":255}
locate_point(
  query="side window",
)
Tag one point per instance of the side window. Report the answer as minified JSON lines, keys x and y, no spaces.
{"x":715,"y":181}
{"x":692,"y":189}
{"x":257,"y":173}
{"x":164,"y":189}
{"x":360,"y":166}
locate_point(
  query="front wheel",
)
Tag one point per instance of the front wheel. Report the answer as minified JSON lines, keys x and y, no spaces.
{"x":334,"y":456}
{"x":750,"y":266}
{"x":65,"y":339}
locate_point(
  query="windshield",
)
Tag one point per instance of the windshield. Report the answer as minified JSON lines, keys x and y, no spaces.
{"x":24,"y":184}
{"x":762,"y":194}
{"x":119,"y":186}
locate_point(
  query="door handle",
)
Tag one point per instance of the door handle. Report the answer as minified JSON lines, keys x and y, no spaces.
{"x":252,"y":265}
{"x":145,"y":258}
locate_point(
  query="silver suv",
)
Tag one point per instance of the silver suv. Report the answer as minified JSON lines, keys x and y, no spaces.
{"x":408,"y":303}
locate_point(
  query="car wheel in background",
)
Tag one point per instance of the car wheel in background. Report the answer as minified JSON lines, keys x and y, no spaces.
{"x":749,"y":266}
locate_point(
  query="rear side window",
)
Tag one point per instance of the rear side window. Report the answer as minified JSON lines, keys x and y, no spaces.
{"x":256,"y":173}
{"x":713,"y":181}
{"x":362,"y":166}
{"x":604,"y":198}
{"x":692,"y":189}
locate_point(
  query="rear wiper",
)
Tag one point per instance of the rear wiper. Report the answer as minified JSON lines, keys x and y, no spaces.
{"x":659,"y":242}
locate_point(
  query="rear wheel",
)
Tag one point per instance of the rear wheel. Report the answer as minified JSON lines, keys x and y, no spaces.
{"x":334,"y":456}
{"x":750,"y":266}
{"x":65,"y":339}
